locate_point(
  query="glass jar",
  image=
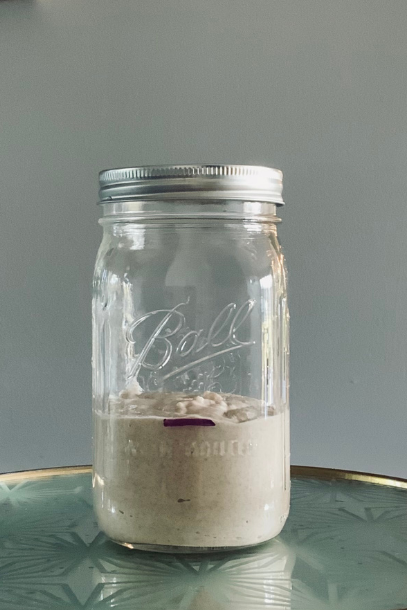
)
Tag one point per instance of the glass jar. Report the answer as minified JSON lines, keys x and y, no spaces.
{"x":190,"y":358}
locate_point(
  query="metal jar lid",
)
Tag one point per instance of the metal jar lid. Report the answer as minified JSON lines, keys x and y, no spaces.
{"x":182,"y":182}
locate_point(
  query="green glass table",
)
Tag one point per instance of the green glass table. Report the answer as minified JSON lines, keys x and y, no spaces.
{"x":344,"y":547}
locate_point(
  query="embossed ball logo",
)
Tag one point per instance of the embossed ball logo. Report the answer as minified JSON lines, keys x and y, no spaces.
{"x":163,"y":347}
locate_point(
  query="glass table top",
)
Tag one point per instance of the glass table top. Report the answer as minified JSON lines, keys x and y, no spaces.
{"x":344,"y":547}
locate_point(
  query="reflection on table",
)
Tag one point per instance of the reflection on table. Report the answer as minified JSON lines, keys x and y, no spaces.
{"x":250,"y":579}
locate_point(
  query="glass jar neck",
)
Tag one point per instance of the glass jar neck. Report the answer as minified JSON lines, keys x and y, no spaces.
{"x":150,"y":210}
{"x":187,"y":228}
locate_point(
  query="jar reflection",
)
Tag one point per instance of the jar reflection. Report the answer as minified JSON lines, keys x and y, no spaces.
{"x":247,"y":579}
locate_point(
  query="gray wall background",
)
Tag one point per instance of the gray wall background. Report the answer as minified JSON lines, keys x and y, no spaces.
{"x":316,"y":88}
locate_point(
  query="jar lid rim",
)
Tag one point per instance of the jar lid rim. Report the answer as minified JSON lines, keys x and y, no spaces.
{"x":192,"y":181}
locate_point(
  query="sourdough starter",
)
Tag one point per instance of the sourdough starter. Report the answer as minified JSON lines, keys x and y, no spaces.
{"x":195,"y":471}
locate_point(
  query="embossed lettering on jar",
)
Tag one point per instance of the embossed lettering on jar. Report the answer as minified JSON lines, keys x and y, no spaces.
{"x":190,"y":358}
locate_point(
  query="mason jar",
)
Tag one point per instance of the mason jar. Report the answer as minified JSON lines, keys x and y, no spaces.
{"x":190,"y":358}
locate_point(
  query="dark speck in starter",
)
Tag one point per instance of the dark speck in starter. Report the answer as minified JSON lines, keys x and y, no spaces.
{"x":182,"y":500}
{"x":120,"y":511}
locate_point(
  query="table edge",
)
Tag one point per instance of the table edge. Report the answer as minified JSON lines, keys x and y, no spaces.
{"x":309,"y":472}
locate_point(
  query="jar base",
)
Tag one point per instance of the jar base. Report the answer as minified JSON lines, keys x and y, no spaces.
{"x":179,"y":550}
